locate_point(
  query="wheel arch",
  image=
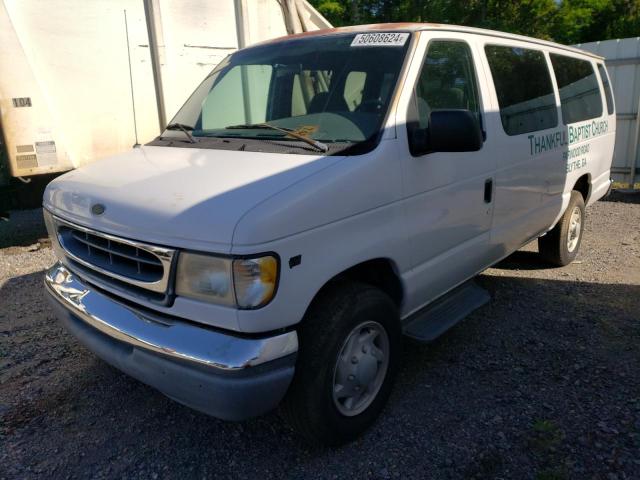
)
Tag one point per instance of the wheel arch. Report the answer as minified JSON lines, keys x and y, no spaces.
{"x":380,"y":272}
{"x":583,"y":185}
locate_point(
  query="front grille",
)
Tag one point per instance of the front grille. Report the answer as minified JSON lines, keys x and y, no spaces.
{"x":117,"y":287}
{"x":131,"y":265}
{"x":112,"y":255}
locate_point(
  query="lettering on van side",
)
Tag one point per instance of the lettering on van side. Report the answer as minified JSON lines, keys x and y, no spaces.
{"x":576,"y":152}
{"x":576,"y":165}
{"x":588,"y":130}
{"x":547,"y":142}
{"x":572,"y":155}
{"x":574,"y":133}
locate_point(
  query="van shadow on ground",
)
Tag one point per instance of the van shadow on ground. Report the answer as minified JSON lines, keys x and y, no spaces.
{"x":623,"y":196}
{"x":523,"y":260}
{"x":24,"y":227}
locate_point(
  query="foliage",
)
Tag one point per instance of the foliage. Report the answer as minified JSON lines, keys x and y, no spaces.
{"x":565,"y":21}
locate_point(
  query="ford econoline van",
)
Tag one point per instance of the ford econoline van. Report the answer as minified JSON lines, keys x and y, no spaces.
{"x":317,"y":198}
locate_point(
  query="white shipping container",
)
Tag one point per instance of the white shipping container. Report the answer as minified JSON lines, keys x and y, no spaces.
{"x":73,"y":72}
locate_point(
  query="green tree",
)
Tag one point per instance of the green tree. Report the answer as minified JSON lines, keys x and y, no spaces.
{"x":334,"y":11}
{"x":566,"y":21}
{"x":590,"y":20}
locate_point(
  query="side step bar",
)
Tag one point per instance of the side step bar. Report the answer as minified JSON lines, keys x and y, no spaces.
{"x":442,"y":314}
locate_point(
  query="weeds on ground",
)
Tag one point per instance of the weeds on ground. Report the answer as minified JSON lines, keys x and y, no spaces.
{"x":544,"y":441}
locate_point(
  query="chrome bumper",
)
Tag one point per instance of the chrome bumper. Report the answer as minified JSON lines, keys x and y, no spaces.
{"x":177,"y":339}
{"x":224,"y":375}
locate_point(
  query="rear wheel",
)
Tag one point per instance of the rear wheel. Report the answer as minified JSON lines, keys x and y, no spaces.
{"x":350,"y":343}
{"x":560,"y":246}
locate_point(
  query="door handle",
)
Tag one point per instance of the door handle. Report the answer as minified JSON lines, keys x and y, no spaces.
{"x":488,"y":190}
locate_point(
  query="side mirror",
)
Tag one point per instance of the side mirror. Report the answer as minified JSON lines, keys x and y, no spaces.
{"x":454,"y":131}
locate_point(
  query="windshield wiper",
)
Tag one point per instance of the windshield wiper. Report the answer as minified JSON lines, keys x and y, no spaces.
{"x":314,"y":143}
{"x":183,"y":128}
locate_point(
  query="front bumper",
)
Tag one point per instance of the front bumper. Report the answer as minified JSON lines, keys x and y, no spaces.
{"x":224,"y":375}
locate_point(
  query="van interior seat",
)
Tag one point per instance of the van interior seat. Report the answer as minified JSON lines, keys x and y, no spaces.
{"x":423,"y":112}
{"x":433,"y":95}
{"x":326,"y":102}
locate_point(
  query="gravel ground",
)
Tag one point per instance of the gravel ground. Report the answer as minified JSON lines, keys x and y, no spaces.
{"x":543,"y":383}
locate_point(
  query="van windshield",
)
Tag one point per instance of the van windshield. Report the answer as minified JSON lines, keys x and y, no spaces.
{"x":334,"y":89}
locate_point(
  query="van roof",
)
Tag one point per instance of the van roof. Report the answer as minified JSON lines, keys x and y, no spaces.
{"x":415,"y":27}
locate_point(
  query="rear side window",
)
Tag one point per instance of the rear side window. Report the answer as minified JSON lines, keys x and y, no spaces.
{"x":523,"y":85}
{"x":579,"y":93}
{"x":607,"y":88}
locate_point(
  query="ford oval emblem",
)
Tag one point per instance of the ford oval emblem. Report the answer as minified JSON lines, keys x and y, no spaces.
{"x":98,"y":209}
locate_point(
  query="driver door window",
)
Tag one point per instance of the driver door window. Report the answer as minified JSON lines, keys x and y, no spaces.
{"x":447,"y":81}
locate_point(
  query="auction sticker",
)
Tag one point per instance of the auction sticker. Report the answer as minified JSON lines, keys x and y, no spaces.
{"x":380,"y":39}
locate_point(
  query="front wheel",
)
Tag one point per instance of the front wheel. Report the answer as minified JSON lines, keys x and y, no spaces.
{"x":350,"y":344}
{"x":560,"y":246}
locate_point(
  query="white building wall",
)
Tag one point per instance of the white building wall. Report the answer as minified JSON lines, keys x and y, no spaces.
{"x":623,"y":63}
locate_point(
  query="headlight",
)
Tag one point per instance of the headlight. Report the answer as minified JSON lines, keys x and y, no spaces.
{"x":242,"y":282}
{"x":205,"y":277}
{"x":255,"y":280}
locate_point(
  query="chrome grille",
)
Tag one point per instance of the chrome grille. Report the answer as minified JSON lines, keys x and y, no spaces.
{"x":141,"y":265}
{"x":111,"y":255}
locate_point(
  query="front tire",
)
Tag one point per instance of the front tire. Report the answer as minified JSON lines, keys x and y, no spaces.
{"x":350,"y":342}
{"x":560,"y":246}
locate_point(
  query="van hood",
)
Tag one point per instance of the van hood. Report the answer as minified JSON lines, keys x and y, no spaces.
{"x":181,"y":197}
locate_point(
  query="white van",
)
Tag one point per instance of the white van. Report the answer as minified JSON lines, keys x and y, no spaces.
{"x":316,"y":198}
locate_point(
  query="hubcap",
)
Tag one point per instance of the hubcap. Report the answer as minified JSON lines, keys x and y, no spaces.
{"x":360,"y":368}
{"x":575,"y":226}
